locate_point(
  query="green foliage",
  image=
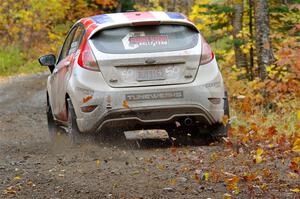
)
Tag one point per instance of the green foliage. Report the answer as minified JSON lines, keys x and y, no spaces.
{"x":35,"y":27}
{"x":283,"y":17}
{"x":212,"y":19}
{"x":12,"y":61}
{"x":182,"y":6}
{"x":217,"y":9}
{"x":154,"y":4}
{"x":127,"y":5}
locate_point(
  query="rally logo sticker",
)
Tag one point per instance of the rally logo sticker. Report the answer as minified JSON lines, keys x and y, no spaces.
{"x":154,"y":96}
{"x":135,"y":40}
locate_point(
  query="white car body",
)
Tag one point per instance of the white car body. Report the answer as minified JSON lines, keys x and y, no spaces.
{"x":119,"y":95}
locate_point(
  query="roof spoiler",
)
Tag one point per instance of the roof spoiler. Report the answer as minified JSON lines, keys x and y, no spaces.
{"x":141,"y":23}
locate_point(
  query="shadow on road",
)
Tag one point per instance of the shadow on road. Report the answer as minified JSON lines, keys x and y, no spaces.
{"x":118,"y":140}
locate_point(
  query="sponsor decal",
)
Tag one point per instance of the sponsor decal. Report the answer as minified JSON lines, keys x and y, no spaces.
{"x":149,"y":40}
{"x":213,"y":84}
{"x":134,"y":40}
{"x":87,"y":98}
{"x":101,"y":19}
{"x":154,"y":96}
{"x":175,"y":15}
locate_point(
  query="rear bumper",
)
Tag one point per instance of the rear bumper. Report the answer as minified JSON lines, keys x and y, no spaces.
{"x":128,"y":119}
{"x":152,"y":105}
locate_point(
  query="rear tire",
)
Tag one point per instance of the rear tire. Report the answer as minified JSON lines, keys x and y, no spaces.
{"x":220,"y":130}
{"x":73,"y":131}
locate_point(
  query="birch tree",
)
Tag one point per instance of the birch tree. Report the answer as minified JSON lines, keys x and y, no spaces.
{"x":264,"y":50}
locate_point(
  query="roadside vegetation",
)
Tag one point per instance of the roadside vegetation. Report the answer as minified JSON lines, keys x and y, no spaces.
{"x":257,"y":44}
{"x":13,"y":62}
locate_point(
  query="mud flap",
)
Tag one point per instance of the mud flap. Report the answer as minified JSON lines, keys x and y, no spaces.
{"x":147,"y":134}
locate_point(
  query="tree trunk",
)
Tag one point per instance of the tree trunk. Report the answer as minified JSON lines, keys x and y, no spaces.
{"x":264,"y":50}
{"x":119,"y":7}
{"x":240,"y":57}
{"x":251,"y":58}
{"x":174,"y":6}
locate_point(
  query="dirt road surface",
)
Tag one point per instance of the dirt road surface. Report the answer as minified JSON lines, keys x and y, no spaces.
{"x":32,"y":167}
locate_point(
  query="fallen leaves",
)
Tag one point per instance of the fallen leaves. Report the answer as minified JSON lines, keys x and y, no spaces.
{"x":173,"y":150}
{"x":205,"y":176}
{"x":293,"y":175}
{"x":225,"y":120}
{"x":227,"y":196}
{"x":98,"y":162}
{"x":258,"y":157}
{"x":17,"y":178}
{"x":18,"y":186}
{"x":266,"y":172}
{"x":296,"y":145}
{"x":296,"y":190}
{"x":294,"y":165}
{"x":250,"y":177}
{"x":125,"y":104}
{"x":232,"y":184}
{"x":201,"y":175}
{"x":10,"y":190}
{"x":267,"y":149}
{"x":172,"y":182}
{"x":271,"y":132}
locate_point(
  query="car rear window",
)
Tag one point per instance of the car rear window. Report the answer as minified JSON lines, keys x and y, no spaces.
{"x":145,"y":39}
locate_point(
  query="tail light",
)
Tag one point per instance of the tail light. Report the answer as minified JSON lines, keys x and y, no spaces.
{"x":87,"y":59}
{"x":207,"y":54}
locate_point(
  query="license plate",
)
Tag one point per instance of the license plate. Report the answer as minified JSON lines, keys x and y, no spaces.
{"x":150,"y":74}
{"x":147,"y":134}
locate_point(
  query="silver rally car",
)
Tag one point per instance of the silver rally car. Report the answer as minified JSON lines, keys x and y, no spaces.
{"x":144,"y":73}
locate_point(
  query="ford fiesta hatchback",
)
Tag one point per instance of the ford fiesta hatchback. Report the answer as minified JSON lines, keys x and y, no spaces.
{"x":143,"y":73}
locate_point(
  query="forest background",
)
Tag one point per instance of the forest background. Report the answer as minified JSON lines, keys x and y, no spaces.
{"x":256,"y":43}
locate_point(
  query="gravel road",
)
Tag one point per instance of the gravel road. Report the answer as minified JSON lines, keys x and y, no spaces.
{"x":32,"y":167}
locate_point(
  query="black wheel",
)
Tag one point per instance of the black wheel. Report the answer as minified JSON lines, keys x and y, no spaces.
{"x":53,"y":128}
{"x":220,"y":130}
{"x":73,"y":131}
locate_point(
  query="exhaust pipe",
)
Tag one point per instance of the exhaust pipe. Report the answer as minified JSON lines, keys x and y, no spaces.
{"x":188,"y":121}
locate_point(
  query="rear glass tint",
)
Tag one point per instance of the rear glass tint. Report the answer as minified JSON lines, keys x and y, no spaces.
{"x":145,"y":39}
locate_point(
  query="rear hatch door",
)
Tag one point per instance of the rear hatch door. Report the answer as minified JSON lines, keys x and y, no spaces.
{"x":147,"y":55}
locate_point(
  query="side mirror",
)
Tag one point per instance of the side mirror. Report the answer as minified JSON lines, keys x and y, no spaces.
{"x":48,"y":60}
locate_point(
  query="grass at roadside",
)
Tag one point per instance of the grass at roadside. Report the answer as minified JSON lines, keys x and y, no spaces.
{"x":12,"y":62}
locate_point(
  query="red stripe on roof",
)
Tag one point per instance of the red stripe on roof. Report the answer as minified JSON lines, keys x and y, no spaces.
{"x":83,"y":20}
{"x":87,"y":34}
{"x":90,"y":29}
{"x":138,"y":15}
{"x":87,"y":23}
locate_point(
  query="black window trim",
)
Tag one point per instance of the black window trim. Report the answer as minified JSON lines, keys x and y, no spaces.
{"x":73,"y":28}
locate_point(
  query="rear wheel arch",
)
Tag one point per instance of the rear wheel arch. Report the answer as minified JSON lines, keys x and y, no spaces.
{"x":68,"y":97}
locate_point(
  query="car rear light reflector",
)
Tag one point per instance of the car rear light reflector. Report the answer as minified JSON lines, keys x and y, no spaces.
{"x":215,"y":100}
{"x":87,"y":60}
{"x":207,"y":54}
{"x":88,"y":109}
